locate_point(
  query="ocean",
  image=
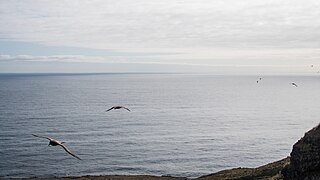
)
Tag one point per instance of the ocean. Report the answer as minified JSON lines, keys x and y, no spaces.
{"x":179,"y":125}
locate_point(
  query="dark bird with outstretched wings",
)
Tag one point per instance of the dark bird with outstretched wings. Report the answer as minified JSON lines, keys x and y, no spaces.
{"x":53,"y":142}
{"x":294,"y":84}
{"x":118,"y":107}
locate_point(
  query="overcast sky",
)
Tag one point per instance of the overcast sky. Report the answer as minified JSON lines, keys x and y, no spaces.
{"x":160,"y":36}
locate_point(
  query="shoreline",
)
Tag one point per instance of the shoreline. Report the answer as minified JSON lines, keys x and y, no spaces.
{"x":271,"y":170}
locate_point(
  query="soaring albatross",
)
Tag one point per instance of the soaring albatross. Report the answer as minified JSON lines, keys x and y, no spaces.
{"x":118,"y":107}
{"x":53,"y":142}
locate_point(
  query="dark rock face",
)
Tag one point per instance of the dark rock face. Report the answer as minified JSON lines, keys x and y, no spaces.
{"x":305,"y":158}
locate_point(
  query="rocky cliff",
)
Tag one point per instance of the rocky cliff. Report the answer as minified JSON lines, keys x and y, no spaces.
{"x":305,"y":158}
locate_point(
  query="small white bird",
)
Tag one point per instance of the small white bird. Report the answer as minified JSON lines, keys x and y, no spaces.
{"x":118,"y":107}
{"x":53,"y":142}
{"x":294,"y":84}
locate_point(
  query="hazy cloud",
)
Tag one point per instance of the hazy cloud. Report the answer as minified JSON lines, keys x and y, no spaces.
{"x":61,"y":58}
{"x":163,"y":24}
{"x":232,"y":32}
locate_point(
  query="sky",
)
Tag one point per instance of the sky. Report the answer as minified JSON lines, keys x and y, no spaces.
{"x":217,"y":36}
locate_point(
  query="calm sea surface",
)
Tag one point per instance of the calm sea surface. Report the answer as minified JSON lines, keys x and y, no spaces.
{"x":179,"y":125}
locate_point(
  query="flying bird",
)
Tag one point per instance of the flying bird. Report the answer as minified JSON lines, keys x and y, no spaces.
{"x":118,"y":107}
{"x":259,"y":80}
{"x":294,"y":84}
{"x":53,"y":142}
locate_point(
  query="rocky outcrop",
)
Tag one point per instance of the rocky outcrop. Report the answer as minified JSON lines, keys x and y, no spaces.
{"x":270,"y":171}
{"x":305,"y":158}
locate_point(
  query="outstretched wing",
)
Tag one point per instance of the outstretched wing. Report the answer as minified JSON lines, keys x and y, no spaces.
{"x":50,"y":139}
{"x":68,"y":151}
{"x":126,"y":108}
{"x":109,"y":109}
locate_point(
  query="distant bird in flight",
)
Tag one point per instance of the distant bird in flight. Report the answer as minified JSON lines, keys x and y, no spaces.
{"x":118,"y":107}
{"x":53,"y":142}
{"x":294,"y":84}
{"x":259,"y":80}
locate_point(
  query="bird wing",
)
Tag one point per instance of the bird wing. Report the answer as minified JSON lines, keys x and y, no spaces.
{"x":126,"y":108}
{"x":50,"y":139}
{"x":109,"y":109}
{"x":68,"y":151}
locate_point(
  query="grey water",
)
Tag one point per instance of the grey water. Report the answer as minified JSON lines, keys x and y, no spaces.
{"x":180,"y":124}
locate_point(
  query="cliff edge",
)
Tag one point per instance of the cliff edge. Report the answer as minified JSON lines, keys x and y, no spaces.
{"x":305,"y":158}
